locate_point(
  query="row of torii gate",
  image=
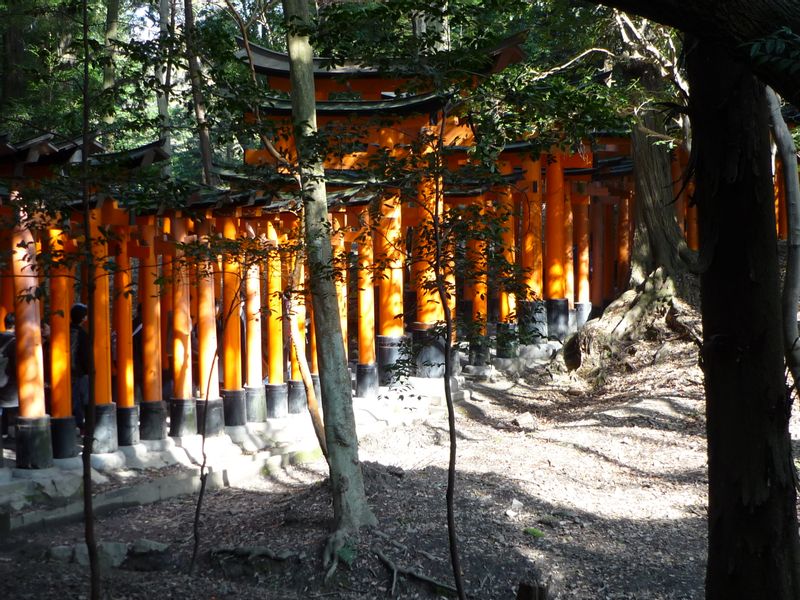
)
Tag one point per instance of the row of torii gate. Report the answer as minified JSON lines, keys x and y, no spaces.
{"x":569,"y":228}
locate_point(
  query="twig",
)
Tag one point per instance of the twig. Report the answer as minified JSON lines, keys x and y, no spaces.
{"x":411,"y":573}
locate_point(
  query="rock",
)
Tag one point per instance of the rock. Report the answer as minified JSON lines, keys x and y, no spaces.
{"x":526,"y":421}
{"x":145,"y":546}
{"x":61,"y":553}
{"x":110,"y":554}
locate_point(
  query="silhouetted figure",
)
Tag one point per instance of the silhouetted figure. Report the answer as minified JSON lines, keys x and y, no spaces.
{"x":9,"y":393}
{"x":80,"y":361}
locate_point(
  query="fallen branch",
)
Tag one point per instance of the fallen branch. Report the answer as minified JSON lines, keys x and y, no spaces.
{"x":411,"y":573}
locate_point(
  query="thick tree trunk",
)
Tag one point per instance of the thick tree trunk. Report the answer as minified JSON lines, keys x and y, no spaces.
{"x":753,"y":541}
{"x":658,"y":242}
{"x":350,"y":507}
{"x":731,"y":23}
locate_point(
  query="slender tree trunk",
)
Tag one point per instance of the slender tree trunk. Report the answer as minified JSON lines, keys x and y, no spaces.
{"x":109,"y":80}
{"x":13,"y":81}
{"x":753,"y":548}
{"x":350,"y":507}
{"x":787,"y":154}
{"x":203,"y":129}
{"x":164,"y":75}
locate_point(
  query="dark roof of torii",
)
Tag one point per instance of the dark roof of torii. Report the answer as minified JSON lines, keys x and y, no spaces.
{"x":272,"y":62}
{"x":421,"y":103}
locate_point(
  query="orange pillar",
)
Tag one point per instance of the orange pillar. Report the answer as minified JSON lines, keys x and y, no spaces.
{"x":34,"y":445}
{"x":505,"y":206}
{"x":127,"y":412}
{"x":181,"y":318}
{"x":102,"y":324}
{"x":597,"y":217}
{"x":207,"y":358}
{"x":609,"y":253}
{"x":367,"y":368}
{"x":341,"y":258}
{"x":152,"y":413}
{"x":780,"y":201}
{"x":580,"y":227}
{"x":389,"y":245}
{"x":624,"y":240}
{"x":555,"y":294}
{"x":531,"y":244}
{"x":276,"y":390}
{"x":167,"y":275}
{"x":62,"y":421}
{"x":569,"y":258}
{"x":253,"y":373}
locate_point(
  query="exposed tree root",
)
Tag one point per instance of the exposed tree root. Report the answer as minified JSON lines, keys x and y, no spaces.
{"x":398,"y":570}
{"x":647,"y":311}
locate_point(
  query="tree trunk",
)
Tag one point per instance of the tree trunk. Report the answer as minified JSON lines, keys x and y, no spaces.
{"x":658,"y":242}
{"x":13,"y":81}
{"x":197,"y":94}
{"x":787,"y":154}
{"x":164,"y":75}
{"x":350,"y":507}
{"x":753,"y":541}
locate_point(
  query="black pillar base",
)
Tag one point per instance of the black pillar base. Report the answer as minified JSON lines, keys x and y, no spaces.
{"x":296,"y":397}
{"x":182,"y":417}
{"x":34,"y":444}
{"x":430,"y":355}
{"x":389,"y":350}
{"x":479,"y":351}
{"x":152,"y":420}
{"x":582,"y":312}
{"x":105,"y":429}
{"x":128,"y":426}
{"x":507,"y":341}
{"x":255,"y":400}
{"x":277,"y":400}
{"x":213,"y":423}
{"x":532,"y":322}
{"x":62,"y":433}
{"x":557,"y":319}
{"x":235,"y":407}
{"x":367,"y":381}
{"x":317,"y":387}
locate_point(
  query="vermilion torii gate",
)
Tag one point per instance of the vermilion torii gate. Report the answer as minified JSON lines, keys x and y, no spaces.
{"x":208,"y":344}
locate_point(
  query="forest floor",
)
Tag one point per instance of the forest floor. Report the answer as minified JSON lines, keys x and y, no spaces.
{"x":594,"y":486}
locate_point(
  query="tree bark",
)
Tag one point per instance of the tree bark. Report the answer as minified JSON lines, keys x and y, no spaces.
{"x":661,"y":244}
{"x":197,"y":94}
{"x":730,"y":23}
{"x":13,"y":79}
{"x":350,"y":507}
{"x":787,"y":154}
{"x":753,"y":547}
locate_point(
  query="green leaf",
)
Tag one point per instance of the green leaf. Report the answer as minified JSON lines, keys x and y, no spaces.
{"x":532,"y":531}
{"x":347,"y":554}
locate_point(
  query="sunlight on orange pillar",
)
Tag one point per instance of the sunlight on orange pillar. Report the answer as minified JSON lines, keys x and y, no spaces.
{"x":505,"y":205}
{"x":580,"y":227}
{"x":299,"y":322}
{"x":476,"y":255}
{"x":569,"y":265}
{"x":123,"y":321}
{"x":275,"y":322}
{"x":597,"y":218}
{"x":231,"y":334}
{"x":30,"y":360}
{"x":151,"y":315}
{"x":60,"y":377}
{"x":341,"y":256}
{"x":609,"y":252}
{"x":254,"y":374}
{"x":102,"y":325}
{"x":677,"y":192}
{"x":366,"y":299}
{"x":388,"y":250}
{"x":554,"y":229}
{"x":181,"y":318}
{"x":429,"y":309}
{"x":207,"y":359}
{"x":313,"y":363}
{"x":166,"y":296}
{"x":531,"y":243}
{"x":624,"y":240}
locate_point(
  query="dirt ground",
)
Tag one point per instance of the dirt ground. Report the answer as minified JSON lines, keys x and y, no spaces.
{"x":596,"y":489}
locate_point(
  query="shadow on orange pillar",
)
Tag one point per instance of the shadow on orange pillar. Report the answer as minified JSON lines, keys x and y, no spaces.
{"x":556,"y":302}
{"x":127,"y":413}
